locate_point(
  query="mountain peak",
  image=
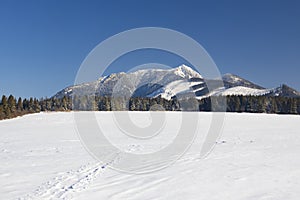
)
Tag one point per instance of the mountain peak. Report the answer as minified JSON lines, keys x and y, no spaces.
{"x":183,"y":66}
{"x":232,"y":77}
{"x":287,"y":91}
{"x":186,"y":72}
{"x":232,"y":80}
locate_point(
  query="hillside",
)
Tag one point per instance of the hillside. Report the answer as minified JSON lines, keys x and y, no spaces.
{"x":169,"y":83}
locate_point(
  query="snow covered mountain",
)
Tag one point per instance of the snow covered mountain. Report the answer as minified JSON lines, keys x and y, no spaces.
{"x":145,"y":83}
{"x":231,"y":80}
{"x":168,"y":83}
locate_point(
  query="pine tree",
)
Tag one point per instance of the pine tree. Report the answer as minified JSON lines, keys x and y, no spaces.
{"x":237,"y":104}
{"x":6,"y":109}
{"x":261,"y":107}
{"x":64,"y":103}
{"x":298,"y":105}
{"x":132,"y":104}
{"x":2,"y":114}
{"x":12,"y":106}
{"x":31,"y":105}
{"x":36,"y":105}
{"x":293,"y":106}
{"x":274,"y":108}
{"x":20,"y":105}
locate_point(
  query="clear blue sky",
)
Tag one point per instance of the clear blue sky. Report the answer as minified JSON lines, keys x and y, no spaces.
{"x":42,"y":43}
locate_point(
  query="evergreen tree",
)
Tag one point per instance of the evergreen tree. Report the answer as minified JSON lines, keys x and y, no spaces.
{"x":31,"y":105}
{"x":298,"y":105}
{"x":237,"y":104}
{"x":20,"y":105}
{"x":132,"y":104}
{"x":12,"y":106}
{"x":274,"y":108}
{"x":293,"y":106}
{"x":5,"y":107}
{"x":261,"y":107}
{"x":36,"y":105}
{"x":2,"y":114}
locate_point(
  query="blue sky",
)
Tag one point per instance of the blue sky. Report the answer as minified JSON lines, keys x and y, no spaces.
{"x":42,"y":43}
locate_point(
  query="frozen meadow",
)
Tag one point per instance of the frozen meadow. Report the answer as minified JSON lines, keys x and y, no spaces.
{"x":256,"y":157}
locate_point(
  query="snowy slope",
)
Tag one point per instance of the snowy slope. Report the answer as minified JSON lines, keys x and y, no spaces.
{"x":285,"y":91}
{"x":240,"y":90}
{"x":129,"y":83}
{"x":175,"y":88}
{"x":257,"y":157}
{"x":169,"y":83}
{"x":231,"y":80}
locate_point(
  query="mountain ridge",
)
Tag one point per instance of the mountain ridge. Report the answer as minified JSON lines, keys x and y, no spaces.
{"x":170,"y":83}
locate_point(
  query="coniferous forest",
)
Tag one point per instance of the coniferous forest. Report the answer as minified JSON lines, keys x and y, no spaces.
{"x":11,"y":107}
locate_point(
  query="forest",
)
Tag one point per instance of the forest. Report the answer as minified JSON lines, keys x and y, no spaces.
{"x":11,"y":107}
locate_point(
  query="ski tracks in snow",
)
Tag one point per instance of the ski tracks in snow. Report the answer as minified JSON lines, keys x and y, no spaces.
{"x":66,"y":184}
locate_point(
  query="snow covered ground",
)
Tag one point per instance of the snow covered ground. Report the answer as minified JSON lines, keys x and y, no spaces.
{"x":256,"y":157}
{"x":244,"y":91}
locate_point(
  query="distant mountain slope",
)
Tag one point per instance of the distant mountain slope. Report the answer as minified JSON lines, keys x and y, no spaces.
{"x":168,"y":83}
{"x":285,"y":91}
{"x":231,"y":80}
{"x":241,"y":90}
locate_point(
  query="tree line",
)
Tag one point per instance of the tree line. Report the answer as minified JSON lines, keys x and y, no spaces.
{"x":251,"y":104}
{"x":11,"y":107}
{"x":262,"y":104}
